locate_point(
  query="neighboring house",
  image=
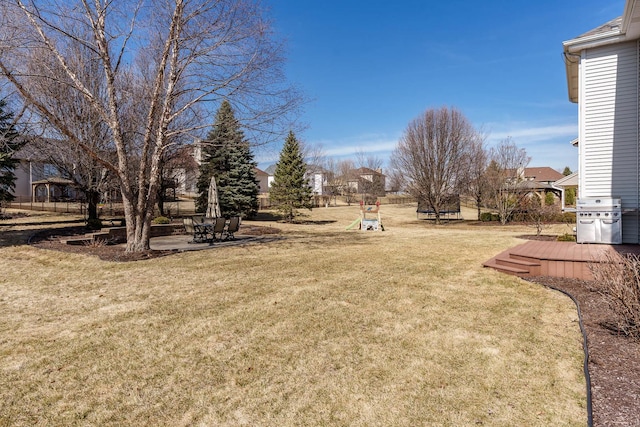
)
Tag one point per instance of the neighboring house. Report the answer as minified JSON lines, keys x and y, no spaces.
{"x":362,"y":180}
{"x":271,"y":173}
{"x":567,"y":182}
{"x":540,"y":180}
{"x":366,"y":180}
{"x":315,"y":175}
{"x":182,"y":169}
{"x":564,"y":183}
{"x":263,"y":180}
{"x":39,"y":181}
{"x":542,"y":175}
{"x":602,"y":76}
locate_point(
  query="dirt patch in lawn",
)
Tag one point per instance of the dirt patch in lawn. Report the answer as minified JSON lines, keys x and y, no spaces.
{"x":614,"y":360}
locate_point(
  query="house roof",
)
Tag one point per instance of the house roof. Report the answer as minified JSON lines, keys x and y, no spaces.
{"x":54,"y":180}
{"x":567,"y":181}
{"x":618,"y":30}
{"x":260,"y":172}
{"x":367,"y":171}
{"x":533,"y":185}
{"x":543,"y":174}
{"x":311,"y":168}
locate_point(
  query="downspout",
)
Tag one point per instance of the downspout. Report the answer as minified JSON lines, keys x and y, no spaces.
{"x":637,"y":209}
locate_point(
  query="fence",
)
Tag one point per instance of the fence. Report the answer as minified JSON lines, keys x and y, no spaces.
{"x":173,"y":208}
{"x":25,"y":203}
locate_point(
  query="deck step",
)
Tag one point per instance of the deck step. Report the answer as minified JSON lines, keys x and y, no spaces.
{"x":553,"y":259}
{"x":517,"y":271}
{"x":531,"y":267}
{"x":517,"y":262}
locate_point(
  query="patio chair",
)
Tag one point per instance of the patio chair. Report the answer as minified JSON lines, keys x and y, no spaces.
{"x":200,"y":229}
{"x":232,"y":227}
{"x":193,"y":230}
{"x":218,"y":228}
{"x":207,"y":225}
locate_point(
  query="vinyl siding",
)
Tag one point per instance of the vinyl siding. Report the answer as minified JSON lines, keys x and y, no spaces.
{"x":609,"y":128}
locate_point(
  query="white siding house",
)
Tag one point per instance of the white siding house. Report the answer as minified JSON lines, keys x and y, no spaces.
{"x":603,"y":75}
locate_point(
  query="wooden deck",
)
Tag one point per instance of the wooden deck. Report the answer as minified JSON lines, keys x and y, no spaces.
{"x":556,"y":259}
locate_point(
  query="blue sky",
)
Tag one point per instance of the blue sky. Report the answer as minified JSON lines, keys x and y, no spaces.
{"x":370,"y":67}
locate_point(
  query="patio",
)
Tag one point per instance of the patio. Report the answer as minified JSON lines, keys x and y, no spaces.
{"x":183,"y":242}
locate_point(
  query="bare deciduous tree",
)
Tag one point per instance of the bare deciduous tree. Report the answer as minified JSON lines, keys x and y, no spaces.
{"x":160,"y":63}
{"x":339,"y":175}
{"x":371,"y":186}
{"x":396,"y":181}
{"x":505,"y":177}
{"x":477,"y":179}
{"x":88,"y":174}
{"x":433,"y":154}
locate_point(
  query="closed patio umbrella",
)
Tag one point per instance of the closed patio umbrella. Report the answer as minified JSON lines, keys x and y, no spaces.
{"x":213,"y":205}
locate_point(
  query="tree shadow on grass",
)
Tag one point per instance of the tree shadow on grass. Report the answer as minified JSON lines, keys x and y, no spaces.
{"x":265,"y":216}
{"x":311,"y":222}
{"x":269,"y":216}
{"x":44,"y":231}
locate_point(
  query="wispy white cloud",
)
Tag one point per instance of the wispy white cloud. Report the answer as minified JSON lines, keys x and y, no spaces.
{"x":371,"y":147}
{"x":527,"y":134}
{"x":547,"y":145}
{"x":370,"y":144}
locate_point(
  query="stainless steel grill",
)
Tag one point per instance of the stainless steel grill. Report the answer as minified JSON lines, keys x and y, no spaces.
{"x":599,"y":220}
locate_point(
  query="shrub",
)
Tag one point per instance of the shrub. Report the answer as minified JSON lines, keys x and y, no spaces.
{"x":96,"y":243}
{"x":570,"y":196}
{"x":488,"y":216}
{"x":94,"y":224}
{"x":566,"y":237}
{"x":549,"y":199}
{"x":161,"y":220}
{"x":568,"y":217}
{"x":619,"y":280}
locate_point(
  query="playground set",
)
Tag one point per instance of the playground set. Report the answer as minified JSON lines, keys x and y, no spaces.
{"x":368,"y":224}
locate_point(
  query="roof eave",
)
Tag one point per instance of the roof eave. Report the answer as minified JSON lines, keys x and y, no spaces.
{"x":572,"y":49}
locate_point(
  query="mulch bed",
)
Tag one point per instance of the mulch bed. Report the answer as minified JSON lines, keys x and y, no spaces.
{"x":614,"y":360}
{"x":52,"y":239}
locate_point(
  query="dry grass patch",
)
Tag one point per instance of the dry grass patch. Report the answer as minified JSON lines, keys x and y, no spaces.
{"x":325,"y":327}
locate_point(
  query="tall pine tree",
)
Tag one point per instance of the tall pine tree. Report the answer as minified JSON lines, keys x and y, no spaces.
{"x":9,"y":144}
{"x":227,"y":156}
{"x":290,"y":189}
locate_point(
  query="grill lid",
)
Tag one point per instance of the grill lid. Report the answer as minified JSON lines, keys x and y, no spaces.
{"x":599,"y":204}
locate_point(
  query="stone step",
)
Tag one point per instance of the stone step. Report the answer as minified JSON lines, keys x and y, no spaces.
{"x":87,"y":238}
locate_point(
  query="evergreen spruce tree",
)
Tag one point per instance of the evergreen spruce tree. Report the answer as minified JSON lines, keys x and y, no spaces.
{"x":569,"y":193}
{"x":9,"y":144}
{"x":227,"y":156}
{"x":290,"y":190}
